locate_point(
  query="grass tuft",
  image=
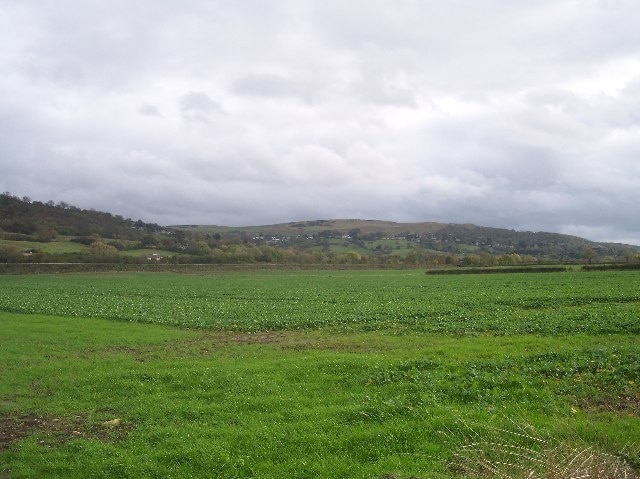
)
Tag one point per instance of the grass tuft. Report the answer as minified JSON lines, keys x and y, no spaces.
{"x":523,"y":454}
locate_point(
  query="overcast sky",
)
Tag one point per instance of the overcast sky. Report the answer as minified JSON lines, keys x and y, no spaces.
{"x":513,"y":113}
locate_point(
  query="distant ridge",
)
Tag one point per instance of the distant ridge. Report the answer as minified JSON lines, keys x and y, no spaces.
{"x":445,"y":237}
{"x":23,"y":220}
{"x":372,"y":226}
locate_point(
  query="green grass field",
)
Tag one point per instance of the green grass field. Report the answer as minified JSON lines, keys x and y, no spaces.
{"x":147,"y":251}
{"x":333,"y":374}
{"x":56,"y":247}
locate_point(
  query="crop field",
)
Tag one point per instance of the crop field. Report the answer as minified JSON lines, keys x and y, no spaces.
{"x":326,"y":374}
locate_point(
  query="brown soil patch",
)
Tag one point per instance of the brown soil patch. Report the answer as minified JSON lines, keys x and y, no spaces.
{"x":298,"y":340}
{"x":55,"y":430}
{"x":206,"y":342}
{"x":268,"y":337}
{"x":624,"y":403}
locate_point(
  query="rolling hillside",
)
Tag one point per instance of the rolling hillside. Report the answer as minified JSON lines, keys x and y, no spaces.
{"x":436,"y":237}
{"x":34,"y":231}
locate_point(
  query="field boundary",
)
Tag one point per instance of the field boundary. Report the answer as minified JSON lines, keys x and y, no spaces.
{"x":50,"y":268}
{"x":529,"y":269}
{"x":610,"y":267}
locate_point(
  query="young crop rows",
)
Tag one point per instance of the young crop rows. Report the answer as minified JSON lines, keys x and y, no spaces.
{"x":556,"y":303}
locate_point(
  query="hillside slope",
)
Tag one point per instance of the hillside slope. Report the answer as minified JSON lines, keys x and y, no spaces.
{"x":44,"y":221}
{"x":443,"y":237}
{"x":37,"y":231}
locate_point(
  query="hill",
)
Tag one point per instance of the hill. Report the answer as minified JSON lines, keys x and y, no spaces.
{"x":374,"y":235}
{"x":38,"y":220}
{"x":35,"y":231}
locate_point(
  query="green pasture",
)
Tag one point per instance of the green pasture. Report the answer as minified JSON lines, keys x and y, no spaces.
{"x":65,"y":246}
{"x":401,"y":247}
{"x":341,"y":246}
{"x":333,"y":374}
{"x":53,"y":247}
{"x":147,"y":251}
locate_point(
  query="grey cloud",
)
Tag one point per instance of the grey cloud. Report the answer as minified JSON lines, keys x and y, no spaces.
{"x":198,"y":106}
{"x":511,"y":114}
{"x":148,"y":110}
{"x":274,"y":86}
{"x":385,"y":93}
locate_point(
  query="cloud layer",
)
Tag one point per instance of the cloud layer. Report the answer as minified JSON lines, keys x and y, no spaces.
{"x":523,"y":115}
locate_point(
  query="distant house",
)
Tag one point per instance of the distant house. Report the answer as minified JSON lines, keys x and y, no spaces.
{"x":154,"y":257}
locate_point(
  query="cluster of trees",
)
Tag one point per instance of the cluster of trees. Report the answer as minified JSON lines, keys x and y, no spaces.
{"x":25,"y":219}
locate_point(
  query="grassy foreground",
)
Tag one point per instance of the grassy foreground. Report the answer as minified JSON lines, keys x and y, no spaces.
{"x":280,"y":379}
